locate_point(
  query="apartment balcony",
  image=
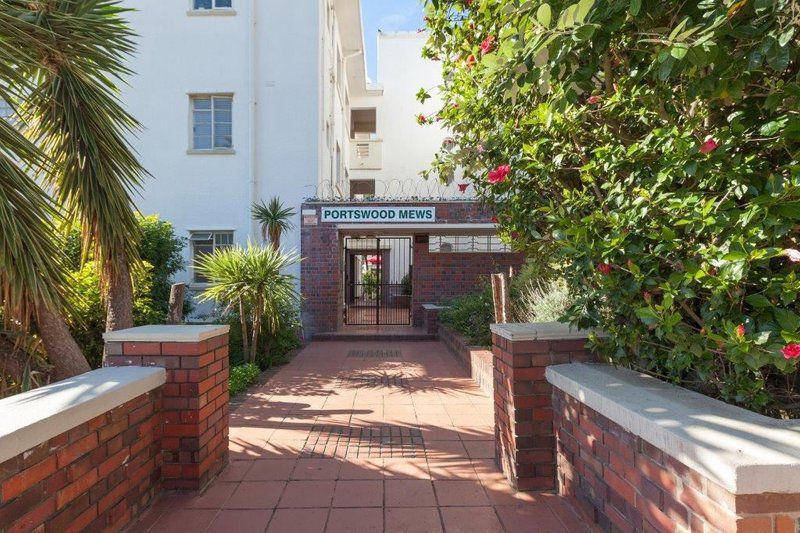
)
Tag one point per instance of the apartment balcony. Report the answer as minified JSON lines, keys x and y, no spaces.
{"x":366,"y":154}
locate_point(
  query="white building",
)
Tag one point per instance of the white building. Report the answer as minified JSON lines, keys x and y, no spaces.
{"x":243,"y":100}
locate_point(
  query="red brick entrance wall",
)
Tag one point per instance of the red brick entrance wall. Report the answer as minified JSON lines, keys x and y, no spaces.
{"x":436,"y":277}
{"x":524,"y":435}
{"x":195,"y":445}
{"x":439,"y":277}
{"x":96,"y":476}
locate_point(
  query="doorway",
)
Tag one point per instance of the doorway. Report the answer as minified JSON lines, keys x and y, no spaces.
{"x":377,"y":281}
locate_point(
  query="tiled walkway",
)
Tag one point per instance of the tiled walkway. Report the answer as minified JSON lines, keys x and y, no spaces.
{"x":361,"y":437}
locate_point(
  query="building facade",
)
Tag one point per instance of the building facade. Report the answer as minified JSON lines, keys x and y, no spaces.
{"x":244,"y":100}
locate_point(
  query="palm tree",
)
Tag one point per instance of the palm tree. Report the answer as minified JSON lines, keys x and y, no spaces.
{"x":274,"y":220}
{"x":59,"y":62}
{"x":250,"y":279}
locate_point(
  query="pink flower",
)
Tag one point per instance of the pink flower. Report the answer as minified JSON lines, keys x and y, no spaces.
{"x":487,"y":45}
{"x":647,"y":296}
{"x":499,"y":174}
{"x":515,"y":235}
{"x":463,"y":187}
{"x":494,"y":220}
{"x":740,"y":330}
{"x":421,"y":119}
{"x":709,"y":146}
{"x":605,"y":269}
{"x":481,"y":149}
{"x":594,"y":99}
{"x":793,"y":255}
{"x":791,"y":351}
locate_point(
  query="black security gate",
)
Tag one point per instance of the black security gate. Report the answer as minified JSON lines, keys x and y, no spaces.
{"x":377,"y":281}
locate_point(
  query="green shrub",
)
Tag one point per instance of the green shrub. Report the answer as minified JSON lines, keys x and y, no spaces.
{"x":471,"y":316}
{"x":655,"y":148}
{"x":369,"y":282}
{"x":89,"y":321}
{"x":534,"y":301}
{"x":241,"y":377}
{"x":160,"y":247}
{"x":275,"y":347}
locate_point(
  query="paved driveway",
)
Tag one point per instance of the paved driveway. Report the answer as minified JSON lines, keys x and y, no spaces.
{"x":363,"y":436}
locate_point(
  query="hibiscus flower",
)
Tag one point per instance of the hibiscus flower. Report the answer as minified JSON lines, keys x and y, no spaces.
{"x":708,"y":146}
{"x":487,"y":45}
{"x":499,"y":174}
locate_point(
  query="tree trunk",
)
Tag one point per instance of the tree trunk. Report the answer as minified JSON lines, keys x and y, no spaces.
{"x":63,"y":352}
{"x":119,"y":295}
{"x":176,"y":297}
{"x":275,"y":238}
{"x":257,"y":312}
{"x":500,"y":298}
{"x":245,"y":335}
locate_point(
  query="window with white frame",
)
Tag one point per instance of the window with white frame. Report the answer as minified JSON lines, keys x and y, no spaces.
{"x":212,"y":122}
{"x":212,"y":4}
{"x":206,"y":242}
{"x":467,"y":244}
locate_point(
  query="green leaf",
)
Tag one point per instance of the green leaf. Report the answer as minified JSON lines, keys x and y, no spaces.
{"x":584,"y":6}
{"x":679,"y":51}
{"x":758,"y":301}
{"x":786,"y":36}
{"x":786,"y":319}
{"x":635,"y":7}
{"x":544,"y":15}
{"x":647,"y":315}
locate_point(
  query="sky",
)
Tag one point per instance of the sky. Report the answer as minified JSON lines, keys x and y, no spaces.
{"x":387,"y":15}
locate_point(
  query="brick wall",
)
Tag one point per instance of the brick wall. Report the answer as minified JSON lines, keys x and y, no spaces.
{"x":439,"y":277}
{"x":524,"y":437}
{"x":623,"y":483}
{"x":195,"y":445}
{"x":436,"y":277}
{"x":476,"y":360}
{"x":97,"y":476}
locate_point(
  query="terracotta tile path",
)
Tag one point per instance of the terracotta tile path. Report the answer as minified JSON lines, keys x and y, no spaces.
{"x":343,"y":439}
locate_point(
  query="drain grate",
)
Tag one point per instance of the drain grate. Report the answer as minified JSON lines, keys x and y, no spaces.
{"x":373,"y":381}
{"x":364,"y":442}
{"x":376,"y":354}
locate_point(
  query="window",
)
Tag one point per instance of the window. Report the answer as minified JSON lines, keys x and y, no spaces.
{"x":467,"y":244}
{"x":212,"y":122}
{"x":212,"y":4}
{"x":206,"y":242}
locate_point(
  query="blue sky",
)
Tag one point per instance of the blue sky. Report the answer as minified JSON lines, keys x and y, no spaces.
{"x":387,"y":15}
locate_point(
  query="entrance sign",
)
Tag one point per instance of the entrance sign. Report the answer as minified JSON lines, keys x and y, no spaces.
{"x":378,"y":214}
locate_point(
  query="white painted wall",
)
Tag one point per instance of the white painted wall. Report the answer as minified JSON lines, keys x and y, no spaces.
{"x":295,"y":69}
{"x":408,"y":147}
{"x":274,"y":56}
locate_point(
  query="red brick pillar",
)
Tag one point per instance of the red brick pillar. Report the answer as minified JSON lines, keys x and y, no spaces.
{"x":525,"y":444}
{"x":195,"y":442}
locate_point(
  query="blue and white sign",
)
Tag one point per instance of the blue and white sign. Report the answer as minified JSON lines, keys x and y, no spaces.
{"x":378,"y":214}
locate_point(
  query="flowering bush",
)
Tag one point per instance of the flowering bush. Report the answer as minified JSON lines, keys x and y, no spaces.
{"x":654,"y":146}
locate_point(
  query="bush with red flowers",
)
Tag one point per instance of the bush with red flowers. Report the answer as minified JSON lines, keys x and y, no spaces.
{"x":655,"y":147}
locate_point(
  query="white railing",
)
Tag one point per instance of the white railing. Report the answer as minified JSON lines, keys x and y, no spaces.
{"x":366,"y":154}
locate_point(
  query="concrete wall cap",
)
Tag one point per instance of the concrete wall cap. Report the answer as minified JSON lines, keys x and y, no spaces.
{"x":745,"y":452}
{"x":195,"y":333}
{"x":434,"y":307}
{"x":34,"y":417}
{"x":541,"y":331}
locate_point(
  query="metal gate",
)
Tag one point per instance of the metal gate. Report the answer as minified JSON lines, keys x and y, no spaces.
{"x":377,"y":281}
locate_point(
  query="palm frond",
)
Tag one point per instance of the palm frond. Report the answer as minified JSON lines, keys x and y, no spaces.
{"x":64,"y":58}
{"x":273,"y":217}
{"x":32,"y":266}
